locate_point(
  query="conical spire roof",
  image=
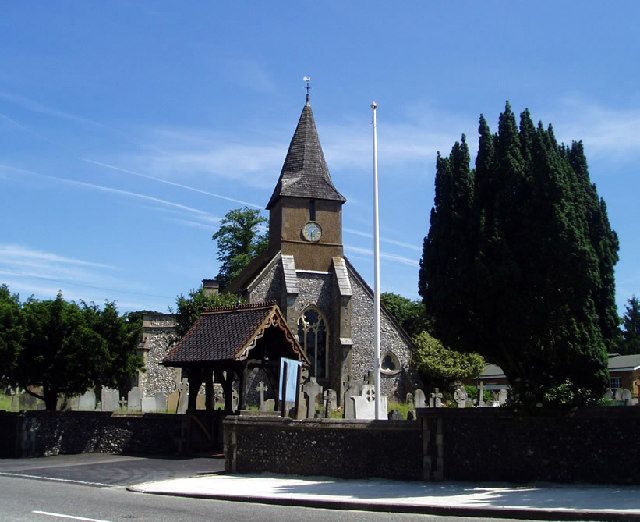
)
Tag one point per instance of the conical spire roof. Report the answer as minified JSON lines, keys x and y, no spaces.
{"x":305,"y":173}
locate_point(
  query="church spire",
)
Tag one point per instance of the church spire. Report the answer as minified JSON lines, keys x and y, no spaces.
{"x":305,"y":173}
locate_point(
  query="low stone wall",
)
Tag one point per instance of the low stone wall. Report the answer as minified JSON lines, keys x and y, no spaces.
{"x":39,"y":433}
{"x":596,"y":445}
{"x":336,"y":448}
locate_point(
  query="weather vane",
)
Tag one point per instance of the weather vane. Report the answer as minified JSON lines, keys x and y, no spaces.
{"x":308,"y":80}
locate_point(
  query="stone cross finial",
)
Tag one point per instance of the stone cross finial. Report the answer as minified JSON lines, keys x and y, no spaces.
{"x":436,"y":399}
{"x":122,"y":403}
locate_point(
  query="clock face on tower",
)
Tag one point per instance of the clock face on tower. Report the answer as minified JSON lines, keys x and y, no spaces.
{"x":312,"y":231}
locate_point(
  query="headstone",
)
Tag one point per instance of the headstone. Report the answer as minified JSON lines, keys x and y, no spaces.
{"x":409,"y":398}
{"x":502,"y":396}
{"x":460,"y":395}
{"x":148,"y":405}
{"x":172,"y":401}
{"x":626,"y":396}
{"x":269,"y":405}
{"x":109,"y":399}
{"x":436,"y":399}
{"x":134,"y":399}
{"x":365,"y":406}
{"x":608,"y":395}
{"x":481,"y":395}
{"x":201,"y":402}
{"x":330,"y":402}
{"x":73,"y":403}
{"x":15,"y":403}
{"x":617,"y":396}
{"x":183,"y":396}
{"x":411,"y":415}
{"x":87,"y":401}
{"x":352,"y":388}
{"x":235,"y":399}
{"x":161,"y":402}
{"x":122,"y":403}
{"x":261,"y":388}
{"x":301,"y":412}
{"x":419,"y":399}
{"x":395,"y":415}
{"x":313,"y":391}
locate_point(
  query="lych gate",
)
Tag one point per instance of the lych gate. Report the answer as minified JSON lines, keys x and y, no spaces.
{"x":227,"y":344}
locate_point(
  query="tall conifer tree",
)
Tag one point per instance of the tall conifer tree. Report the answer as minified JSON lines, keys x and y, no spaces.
{"x":518,"y":262}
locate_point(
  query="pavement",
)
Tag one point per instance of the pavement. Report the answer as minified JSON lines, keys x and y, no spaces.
{"x":537,"y":502}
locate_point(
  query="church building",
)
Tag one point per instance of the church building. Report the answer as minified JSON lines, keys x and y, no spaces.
{"x":304,"y":270}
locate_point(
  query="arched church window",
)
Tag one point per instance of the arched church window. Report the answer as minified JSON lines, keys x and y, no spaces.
{"x":390,"y":364}
{"x":312,"y":335}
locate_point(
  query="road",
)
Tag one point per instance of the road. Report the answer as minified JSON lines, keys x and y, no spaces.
{"x":92,"y":488}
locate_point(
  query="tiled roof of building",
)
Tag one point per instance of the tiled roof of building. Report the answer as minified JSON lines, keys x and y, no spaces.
{"x":228,"y":334}
{"x":305,"y":173}
{"x":624,"y":362}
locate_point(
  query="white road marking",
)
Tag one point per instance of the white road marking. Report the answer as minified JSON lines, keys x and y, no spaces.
{"x":84,"y":482}
{"x":61,"y":515}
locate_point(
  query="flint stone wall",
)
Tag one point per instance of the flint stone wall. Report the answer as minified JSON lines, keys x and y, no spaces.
{"x":336,"y":448}
{"x":158,"y":335}
{"x":318,"y":289}
{"x":42,"y":433}
{"x":596,"y":445}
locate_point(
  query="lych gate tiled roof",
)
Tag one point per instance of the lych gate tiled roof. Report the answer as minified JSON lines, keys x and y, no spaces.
{"x":305,"y":173}
{"x":228,"y":334}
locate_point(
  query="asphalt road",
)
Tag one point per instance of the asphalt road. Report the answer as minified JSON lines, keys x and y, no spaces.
{"x":92,"y":488}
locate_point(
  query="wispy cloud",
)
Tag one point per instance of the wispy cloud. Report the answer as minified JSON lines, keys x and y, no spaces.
{"x":19,"y":255}
{"x":383,"y":255}
{"x":201,"y":214}
{"x":403,"y":244}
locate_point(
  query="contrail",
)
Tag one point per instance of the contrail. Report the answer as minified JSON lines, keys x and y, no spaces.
{"x":172,"y":183}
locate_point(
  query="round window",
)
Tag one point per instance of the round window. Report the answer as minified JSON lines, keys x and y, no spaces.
{"x":390,"y":364}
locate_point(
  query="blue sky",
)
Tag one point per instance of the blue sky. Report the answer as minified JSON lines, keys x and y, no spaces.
{"x":130,"y":128}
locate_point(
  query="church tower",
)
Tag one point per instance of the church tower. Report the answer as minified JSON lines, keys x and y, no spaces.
{"x":323,"y":298}
{"x":305,"y":218}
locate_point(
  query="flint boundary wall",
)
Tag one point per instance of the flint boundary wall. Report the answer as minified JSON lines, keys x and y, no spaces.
{"x":591,"y":445}
{"x":42,"y":433}
{"x":336,"y":448}
{"x":594,"y":445}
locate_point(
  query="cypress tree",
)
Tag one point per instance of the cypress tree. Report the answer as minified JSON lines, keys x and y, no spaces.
{"x":535,"y":289}
{"x":631,"y":323}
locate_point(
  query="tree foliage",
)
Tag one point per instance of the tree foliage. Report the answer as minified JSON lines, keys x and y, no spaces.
{"x":630,"y":342}
{"x":518,"y":262}
{"x":63,"y":348}
{"x":438,"y":366}
{"x":239,"y":240}
{"x":410,"y":314}
{"x":12,"y":332}
{"x":189,"y":308}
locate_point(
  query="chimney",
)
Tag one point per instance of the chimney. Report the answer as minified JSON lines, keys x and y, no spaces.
{"x":210,"y":286}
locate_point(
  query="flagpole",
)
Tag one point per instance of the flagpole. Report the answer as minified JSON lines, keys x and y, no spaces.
{"x":376,"y":264}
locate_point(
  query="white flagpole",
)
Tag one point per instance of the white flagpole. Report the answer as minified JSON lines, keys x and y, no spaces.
{"x":376,"y":264}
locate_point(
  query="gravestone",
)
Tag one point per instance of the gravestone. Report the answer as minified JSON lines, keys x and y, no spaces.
{"x":161,"y":402}
{"x":502,"y":396}
{"x":183,"y":396}
{"x":73,"y":403}
{"x":235,"y":399}
{"x":87,"y":401}
{"x":617,"y":396}
{"x":460,"y":395}
{"x":365,"y":406}
{"x":436,"y":399}
{"x":419,"y":399}
{"x":172,"y":401}
{"x":627,"y":398}
{"x":330,"y":402}
{"x":134,"y":399}
{"x":352,"y":388}
{"x":148,"y":404}
{"x":201,"y":402}
{"x":269,"y":405}
{"x":608,"y":395}
{"x":395,"y":415}
{"x":409,"y":398}
{"x":301,"y":412}
{"x":313,"y":391}
{"x":109,"y":399}
{"x":261,"y":388}
{"x":481,"y":403}
{"x":15,"y":403}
